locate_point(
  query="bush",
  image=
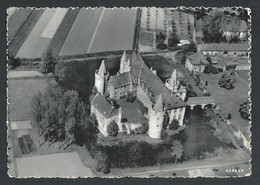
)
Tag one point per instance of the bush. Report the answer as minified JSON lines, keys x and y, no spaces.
{"x":130,"y":97}
{"x":228,"y":116}
{"x":164,"y":134}
{"x":227,"y":81}
{"x":174,"y":124}
{"x":245,"y":109}
{"x":190,"y":91}
{"x":210,"y":69}
{"x":102,"y":161}
{"x":112,"y":129}
{"x":123,"y":120}
{"x":14,"y":62}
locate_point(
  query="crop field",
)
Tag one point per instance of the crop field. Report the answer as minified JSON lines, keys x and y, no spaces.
{"x":63,"y":31}
{"x":115,"y":32}
{"x":42,"y":33}
{"x":81,"y":32}
{"x":113,"y":28}
{"x":16,"y":20}
{"x":17,"y":42}
{"x":69,"y":32}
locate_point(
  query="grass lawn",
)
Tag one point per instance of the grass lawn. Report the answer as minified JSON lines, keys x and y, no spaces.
{"x":196,"y":142}
{"x":163,"y":65}
{"x":52,"y":165}
{"x":20,"y":94}
{"x":230,"y":100}
{"x":132,"y":111}
{"x":80,"y":75}
{"x":25,"y":30}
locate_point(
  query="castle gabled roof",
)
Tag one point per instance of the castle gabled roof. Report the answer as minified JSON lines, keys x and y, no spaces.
{"x":102,"y":69}
{"x":121,"y":80}
{"x":159,"y":104}
{"x":144,"y":74}
{"x":102,"y":105}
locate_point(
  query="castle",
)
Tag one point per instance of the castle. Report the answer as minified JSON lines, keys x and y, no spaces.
{"x":164,"y":101}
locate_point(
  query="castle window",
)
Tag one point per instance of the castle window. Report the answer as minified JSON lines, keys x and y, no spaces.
{"x":179,"y":116}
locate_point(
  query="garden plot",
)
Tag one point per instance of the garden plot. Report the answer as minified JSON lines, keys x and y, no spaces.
{"x":52,"y":165}
{"x":41,"y":35}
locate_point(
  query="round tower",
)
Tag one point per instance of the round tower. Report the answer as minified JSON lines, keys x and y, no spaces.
{"x":156,"y":119}
{"x":101,"y":76}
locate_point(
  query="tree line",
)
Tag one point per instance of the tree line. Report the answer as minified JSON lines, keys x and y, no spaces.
{"x":59,"y":114}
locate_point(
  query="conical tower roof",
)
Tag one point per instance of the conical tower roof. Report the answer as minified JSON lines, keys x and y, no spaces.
{"x":102,"y":69}
{"x":173,"y":78}
{"x":124,"y":55}
{"x":159,"y":104}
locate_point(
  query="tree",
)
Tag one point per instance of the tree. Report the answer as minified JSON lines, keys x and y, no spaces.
{"x":245,"y":109}
{"x":211,"y":69}
{"x":235,"y":39}
{"x":164,"y":134}
{"x":160,"y":41}
{"x":60,"y":69}
{"x":59,"y":113}
{"x":102,"y":160}
{"x":227,"y":80}
{"x":14,"y":62}
{"x":143,"y":129}
{"x":190,"y":91}
{"x":112,"y":129}
{"x":174,"y":39}
{"x":49,"y":63}
{"x":212,"y":29}
{"x":174,"y":124}
{"x":177,"y":150}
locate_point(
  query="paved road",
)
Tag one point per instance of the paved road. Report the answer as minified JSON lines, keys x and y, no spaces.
{"x":192,"y":167}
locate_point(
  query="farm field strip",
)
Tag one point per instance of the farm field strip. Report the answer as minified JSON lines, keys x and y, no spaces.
{"x":54,"y":23}
{"x":116,"y":31}
{"x":63,"y":31}
{"x":16,"y":20}
{"x":81,"y":32}
{"x":34,"y":45}
{"x":15,"y":44}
